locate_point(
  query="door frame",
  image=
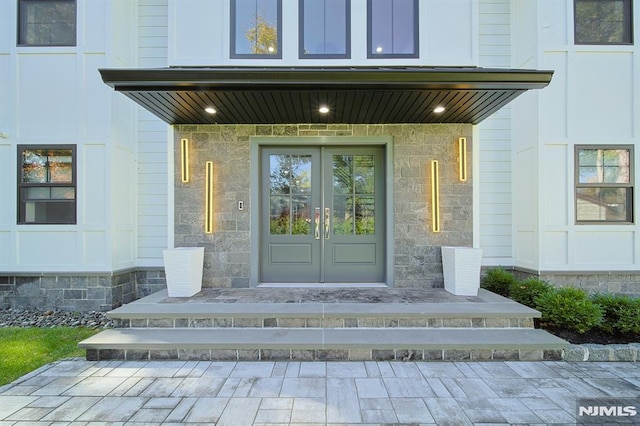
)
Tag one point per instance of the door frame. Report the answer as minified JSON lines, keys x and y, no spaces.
{"x":256,"y":144}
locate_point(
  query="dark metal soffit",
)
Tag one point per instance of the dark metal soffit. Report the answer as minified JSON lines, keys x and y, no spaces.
{"x":354,"y":95}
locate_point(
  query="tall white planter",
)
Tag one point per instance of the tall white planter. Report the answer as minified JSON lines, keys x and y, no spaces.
{"x":183,"y":269}
{"x":461,"y":267}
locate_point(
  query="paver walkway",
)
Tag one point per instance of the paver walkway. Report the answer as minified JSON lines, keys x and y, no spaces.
{"x":77,"y":392}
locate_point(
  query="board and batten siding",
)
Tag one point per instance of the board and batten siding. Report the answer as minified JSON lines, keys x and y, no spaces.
{"x":495,"y":216}
{"x":152,"y":140}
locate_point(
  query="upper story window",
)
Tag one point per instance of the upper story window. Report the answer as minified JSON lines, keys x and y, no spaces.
{"x":603,"y":21}
{"x":392,"y":28}
{"x":46,"y":184}
{"x":256,"y":29}
{"x":325,"y":29}
{"x":46,"y":23}
{"x":604,"y":184}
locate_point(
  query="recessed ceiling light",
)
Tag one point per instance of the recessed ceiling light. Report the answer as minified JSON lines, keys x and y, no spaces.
{"x":210,"y":110}
{"x":324,"y":110}
{"x":438,"y":109}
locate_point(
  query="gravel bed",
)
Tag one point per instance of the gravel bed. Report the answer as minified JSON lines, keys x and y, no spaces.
{"x":53,"y":318}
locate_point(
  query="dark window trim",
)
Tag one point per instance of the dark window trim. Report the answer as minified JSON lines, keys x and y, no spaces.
{"x":416,"y":35}
{"x":232,"y":50}
{"x":630,"y":185}
{"x":19,"y":26}
{"x":628,"y":27}
{"x":302,"y":55}
{"x":74,"y":182}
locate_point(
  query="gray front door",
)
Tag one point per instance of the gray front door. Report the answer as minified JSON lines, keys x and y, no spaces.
{"x":322,"y":215}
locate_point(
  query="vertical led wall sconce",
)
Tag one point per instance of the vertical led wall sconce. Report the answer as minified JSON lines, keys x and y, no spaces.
{"x":184,"y":159}
{"x":462,"y":158}
{"x":208,"y":208}
{"x":435,"y":196}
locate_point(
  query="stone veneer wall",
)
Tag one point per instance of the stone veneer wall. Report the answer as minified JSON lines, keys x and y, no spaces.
{"x":80,"y":293}
{"x":417,"y":249}
{"x":624,"y":283}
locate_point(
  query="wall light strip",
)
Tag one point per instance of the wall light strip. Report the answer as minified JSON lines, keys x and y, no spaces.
{"x":184,"y":159}
{"x":462,"y":158}
{"x":435,"y":196}
{"x":208,"y":208}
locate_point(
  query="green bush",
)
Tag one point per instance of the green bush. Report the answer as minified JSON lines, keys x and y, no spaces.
{"x":526,"y":291}
{"x":569,"y":308}
{"x":498,"y":281}
{"x":621,"y":314}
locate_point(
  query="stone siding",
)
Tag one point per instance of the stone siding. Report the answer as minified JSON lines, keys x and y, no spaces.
{"x":80,"y":293}
{"x":623,"y":283}
{"x":417,"y":261}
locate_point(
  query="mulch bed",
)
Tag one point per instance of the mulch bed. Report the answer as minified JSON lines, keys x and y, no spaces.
{"x":594,"y":336}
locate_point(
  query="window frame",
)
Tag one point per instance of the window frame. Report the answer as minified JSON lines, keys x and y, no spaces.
{"x":416,"y":35}
{"x":233,"y":23}
{"x":21,"y":220}
{"x":628,"y":23}
{"x":630,"y":186}
{"x":21,"y":25}
{"x":302,"y":55}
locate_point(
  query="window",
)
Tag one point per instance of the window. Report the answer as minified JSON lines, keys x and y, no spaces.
{"x":604,"y":184}
{"x":325,"y":29}
{"x":603,"y":22}
{"x":46,"y":23}
{"x":46,"y":184}
{"x":393,"y":28}
{"x":256,"y":29}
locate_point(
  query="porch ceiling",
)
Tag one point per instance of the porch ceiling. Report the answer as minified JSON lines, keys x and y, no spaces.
{"x":354,"y":95}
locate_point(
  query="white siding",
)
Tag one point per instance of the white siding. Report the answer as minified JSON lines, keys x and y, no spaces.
{"x":152,"y":140}
{"x":495,"y":216}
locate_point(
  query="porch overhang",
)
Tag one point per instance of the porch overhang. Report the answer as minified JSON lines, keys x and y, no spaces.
{"x":353,"y":95}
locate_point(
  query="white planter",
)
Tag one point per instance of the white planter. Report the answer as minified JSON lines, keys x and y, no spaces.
{"x":183,"y":269}
{"x":461,"y":267}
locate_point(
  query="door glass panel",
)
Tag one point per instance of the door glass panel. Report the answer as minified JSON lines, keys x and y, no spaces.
{"x":365,"y":215}
{"x":342,"y":174}
{"x":290,"y":194}
{"x":354,"y":194}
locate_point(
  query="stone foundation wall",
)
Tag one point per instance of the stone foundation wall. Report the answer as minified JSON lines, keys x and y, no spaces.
{"x":79,"y":293}
{"x":616,"y":283}
{"x":417,"y":261}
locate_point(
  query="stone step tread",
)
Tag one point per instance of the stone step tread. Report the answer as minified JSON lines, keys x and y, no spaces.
{"x":323,"y":310}
{"x":260,"y":338}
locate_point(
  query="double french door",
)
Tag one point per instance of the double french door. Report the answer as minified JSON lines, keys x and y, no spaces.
{"x":322,"y":215}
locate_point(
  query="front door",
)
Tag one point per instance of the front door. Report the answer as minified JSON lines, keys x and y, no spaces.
{"x":322,"y":215}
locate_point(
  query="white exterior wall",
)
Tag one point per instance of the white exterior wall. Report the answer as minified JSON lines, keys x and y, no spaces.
{"x":593,"y":99}
{"x":153,"y":136}
{"x":199,"y":35}
{"x":54,"y":95}
{"x":494,"y":142}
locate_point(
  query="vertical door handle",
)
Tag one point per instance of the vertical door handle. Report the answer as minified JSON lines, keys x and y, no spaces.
{"x":317,"y":219}
{"x":327,"y":222}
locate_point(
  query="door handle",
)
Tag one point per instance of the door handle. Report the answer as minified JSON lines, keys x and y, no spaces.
{"x":327,"y":222}
{"x":317,"y":218}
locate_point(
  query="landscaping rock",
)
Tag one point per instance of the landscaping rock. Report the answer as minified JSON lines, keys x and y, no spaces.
{"x":50,"y":318}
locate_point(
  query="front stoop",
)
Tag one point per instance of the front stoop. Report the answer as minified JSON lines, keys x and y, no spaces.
{"x":494,"y":329}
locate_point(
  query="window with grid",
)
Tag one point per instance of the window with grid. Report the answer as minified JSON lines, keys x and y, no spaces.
{"x":256,"y":29}
{"x":47,"y":184}
{"x":603,"y":21}
{"x":325,"y":29}
{"x":46,"y":22}
{"x":392,"y":28}
{"x":604,"y":184}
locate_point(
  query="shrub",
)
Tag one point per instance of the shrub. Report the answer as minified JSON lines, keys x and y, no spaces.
{"x":526,"y":291}
{"x":621,"y":314}
{"x":498,"y":281}
{"x":569,"y":308}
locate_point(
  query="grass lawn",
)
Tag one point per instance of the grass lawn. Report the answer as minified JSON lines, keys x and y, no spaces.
{"x":23,"y":350}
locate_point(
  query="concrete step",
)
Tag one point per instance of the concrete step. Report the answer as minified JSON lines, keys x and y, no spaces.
{"x":324,"y":315}
{"x":436,"y":344}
